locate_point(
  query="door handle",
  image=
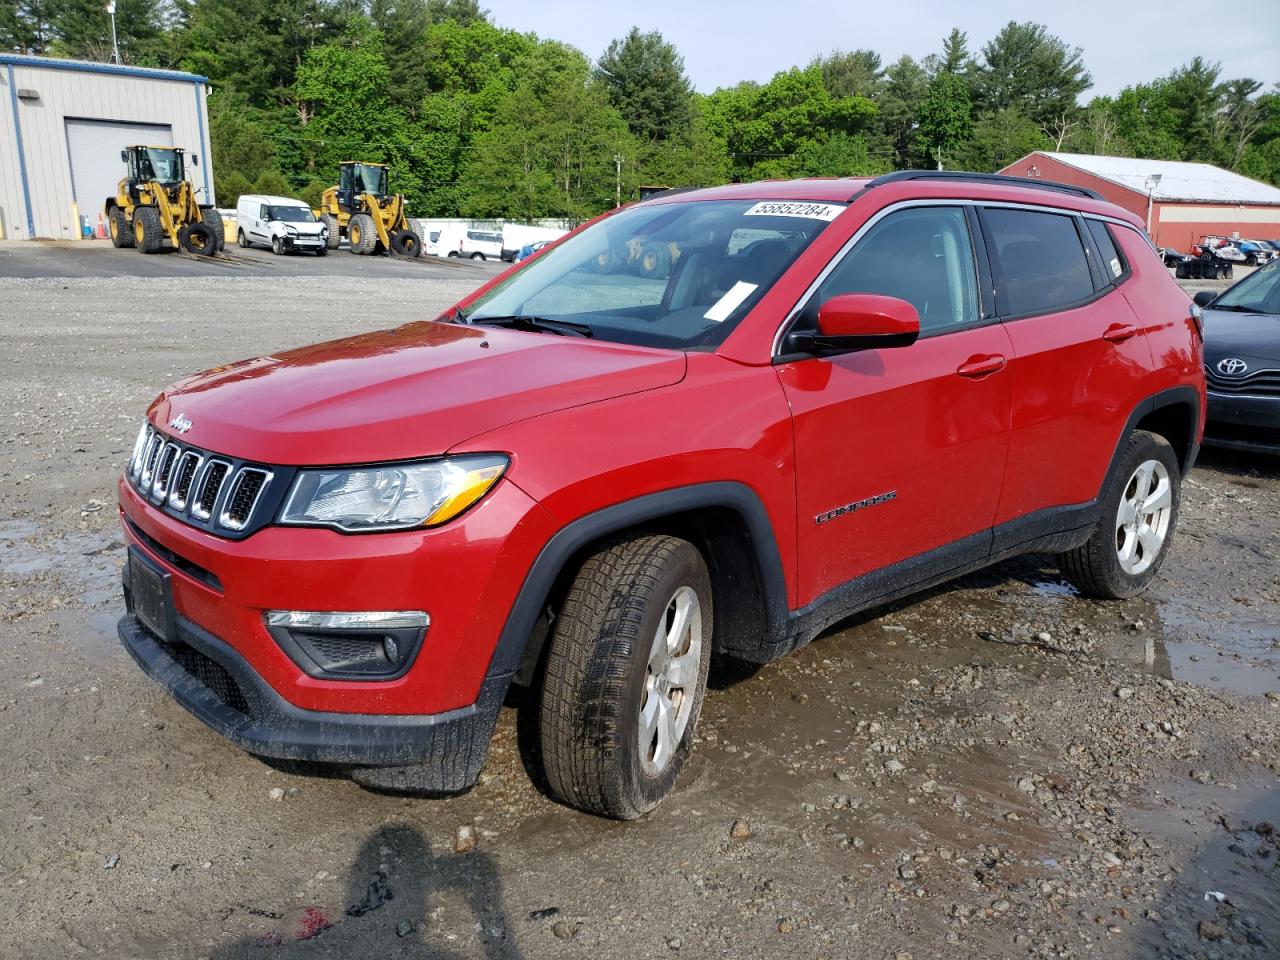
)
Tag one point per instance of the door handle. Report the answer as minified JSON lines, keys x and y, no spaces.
{"x":1119,"y":332}
{"x":981,"y":365}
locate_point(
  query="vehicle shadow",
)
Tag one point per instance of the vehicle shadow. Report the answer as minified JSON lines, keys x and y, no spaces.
{"x":391,"y":891}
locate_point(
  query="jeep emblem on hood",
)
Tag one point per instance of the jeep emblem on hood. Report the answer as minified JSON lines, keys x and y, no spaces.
{"x":181,"y":423}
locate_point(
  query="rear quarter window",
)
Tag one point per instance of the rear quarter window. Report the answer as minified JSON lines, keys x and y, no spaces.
{"x":1041,"y":263}
{"x":1109,"y":257}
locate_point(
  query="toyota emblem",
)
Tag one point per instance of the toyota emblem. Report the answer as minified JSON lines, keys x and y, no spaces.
{"x":1232,"y":367}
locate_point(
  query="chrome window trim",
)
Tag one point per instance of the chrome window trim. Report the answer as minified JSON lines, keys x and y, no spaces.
{"x":794,"y":313}
{"x":224,"y":516}
{"x":197,"y":489}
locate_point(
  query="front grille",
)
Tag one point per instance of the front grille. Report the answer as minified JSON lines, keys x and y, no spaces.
{"x":1262,"y":383}
{"x":211,"y":674}
{"x":223,"y":495}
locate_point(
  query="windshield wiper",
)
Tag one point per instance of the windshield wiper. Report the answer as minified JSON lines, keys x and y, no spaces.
{"x":520,"y":322}
{"x":1234,"y":307}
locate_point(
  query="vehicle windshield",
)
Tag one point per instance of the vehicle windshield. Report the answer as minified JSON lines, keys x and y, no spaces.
{"x":370,"y":179}
{"x":160,"y":164}
{"x":679,"y":275}
{"x":1256,"y":293}
{"x":293,"y":214}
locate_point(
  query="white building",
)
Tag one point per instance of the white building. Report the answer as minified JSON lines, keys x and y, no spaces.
{"x":63,"y":124}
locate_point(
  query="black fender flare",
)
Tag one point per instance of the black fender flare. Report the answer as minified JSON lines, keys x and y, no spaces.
{"x":1182,"y":395}
{"x":509,"y":654}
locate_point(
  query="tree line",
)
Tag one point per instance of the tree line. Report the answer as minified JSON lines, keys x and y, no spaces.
{"x":482,"y":121}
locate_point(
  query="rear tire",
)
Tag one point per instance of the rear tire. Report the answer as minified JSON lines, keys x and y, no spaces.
{"x":148,"y":234}
{"x":406,"y":243}
{"x":213,"y":220}
{"x":1139,"y":516}
{"x":335,"y":232}
{"x":120,"y":229}
{"x":362,"y":234}
{"x":242,"y":241}
{"x":655,"y":261}
{"x":626,"y":674}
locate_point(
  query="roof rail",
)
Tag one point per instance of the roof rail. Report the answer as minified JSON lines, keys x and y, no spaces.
{"x":997,"y":178}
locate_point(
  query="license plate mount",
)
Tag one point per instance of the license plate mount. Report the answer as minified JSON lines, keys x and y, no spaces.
{"x":151,"y":591}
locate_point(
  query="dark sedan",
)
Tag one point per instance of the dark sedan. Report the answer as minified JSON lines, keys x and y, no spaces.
{"x":1242,"y":362}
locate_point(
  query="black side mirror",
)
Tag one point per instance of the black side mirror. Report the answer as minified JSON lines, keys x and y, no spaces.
{"x":124,"y":155}
{"x":1204,"y":298}
{"x":195,"y":159}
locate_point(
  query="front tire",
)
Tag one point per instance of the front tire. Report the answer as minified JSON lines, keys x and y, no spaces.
{"x":276,"y":246}
{"x":1139,"y":515}
{"x":148,"y":234}
{"x":625,"y":677}
{"x":477,"y":256}
{"x":120,"y":228}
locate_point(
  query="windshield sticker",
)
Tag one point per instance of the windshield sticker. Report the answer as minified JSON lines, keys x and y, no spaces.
{"x":787,"y":208}
{"x":730,"y":302}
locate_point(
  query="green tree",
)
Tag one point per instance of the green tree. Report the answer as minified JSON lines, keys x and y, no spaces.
{"x":550,"y":146}
{"x":1027,"y":69}
{"x":243,"y":152}
{"x":645,"y":80}
{"x":404,"y":24}
{"x":766,"y":127}
{"x":82,"y":30}
{"x":841,"y":155}
{"x":1193,"y":97}
{"x":905,"y":90}
{"x":945,"y":117}
{"x":999,"y":139}
{"x":858,"y":73}
{"x":26,"y":26}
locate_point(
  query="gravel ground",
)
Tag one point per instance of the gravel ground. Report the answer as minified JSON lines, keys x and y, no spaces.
{"x":997,"y":768}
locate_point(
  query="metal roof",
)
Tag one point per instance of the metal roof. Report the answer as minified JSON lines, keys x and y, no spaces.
{"x":84,"y":66}
{"x":1179,"y":181}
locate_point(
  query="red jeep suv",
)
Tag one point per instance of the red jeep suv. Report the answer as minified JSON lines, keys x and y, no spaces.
{"x":720,"y":420}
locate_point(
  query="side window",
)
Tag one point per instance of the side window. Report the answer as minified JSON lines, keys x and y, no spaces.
{"x":1040,"y":263}
{"x":263,"y":213}
{"x":922,"y":255}
{"x":1104,"y":246}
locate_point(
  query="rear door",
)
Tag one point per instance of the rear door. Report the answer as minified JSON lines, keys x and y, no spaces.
{"x":1080,"y":356}
{"x":900,"y":451}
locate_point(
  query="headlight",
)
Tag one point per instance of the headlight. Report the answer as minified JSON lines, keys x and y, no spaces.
{"x":396,"y":496}
{"x":292,"y":231}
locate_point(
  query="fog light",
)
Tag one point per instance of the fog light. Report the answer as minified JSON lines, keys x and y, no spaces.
{"x":359,"y":645}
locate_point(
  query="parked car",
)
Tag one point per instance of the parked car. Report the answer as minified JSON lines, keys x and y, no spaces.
{"x":1256,"y":252}
{"x":1242,"y":362}
{"x":478,"y":245}
{"x":843,"y":392}
{"x":283,"y":224}
{"x":1218,"y":248}
{"x":1174,"y":257}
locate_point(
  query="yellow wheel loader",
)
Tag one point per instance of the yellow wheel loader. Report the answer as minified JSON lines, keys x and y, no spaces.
{"x":360,"y":209}
{"x":156,"y":204}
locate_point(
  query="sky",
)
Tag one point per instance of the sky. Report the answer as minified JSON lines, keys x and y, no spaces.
{"x":727,"y":41}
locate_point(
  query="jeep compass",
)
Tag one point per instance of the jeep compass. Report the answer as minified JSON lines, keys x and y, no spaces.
{"x":716,"y":422}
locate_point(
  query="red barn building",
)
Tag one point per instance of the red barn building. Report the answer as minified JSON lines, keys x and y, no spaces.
{"x":1179,"y":202}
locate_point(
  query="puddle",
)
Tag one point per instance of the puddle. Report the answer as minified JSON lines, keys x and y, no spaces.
{"x":1054,"y":588}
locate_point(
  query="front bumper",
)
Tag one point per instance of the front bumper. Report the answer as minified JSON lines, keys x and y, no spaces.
{"x":302,"y":243}
{"x":1245,"y":422}
{"x":436,"y":753}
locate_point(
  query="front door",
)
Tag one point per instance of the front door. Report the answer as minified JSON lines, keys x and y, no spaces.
{"x":901,"y":450}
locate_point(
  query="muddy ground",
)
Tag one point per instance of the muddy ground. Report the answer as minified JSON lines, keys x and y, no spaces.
{"x":995,"y":769}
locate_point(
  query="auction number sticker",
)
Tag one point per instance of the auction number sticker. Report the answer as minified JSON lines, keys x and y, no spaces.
{"x":790,"y":208}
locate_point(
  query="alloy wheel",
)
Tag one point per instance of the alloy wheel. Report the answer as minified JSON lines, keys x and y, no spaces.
{"x":1142,"y":520}
{"x":671,"y":681}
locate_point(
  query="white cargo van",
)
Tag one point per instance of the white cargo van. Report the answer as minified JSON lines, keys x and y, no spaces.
{"x":281,"y":223}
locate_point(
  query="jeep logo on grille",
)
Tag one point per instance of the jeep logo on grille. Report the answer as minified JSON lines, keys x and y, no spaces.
{"x":180,"y":423}
{"x":1232,"y":367}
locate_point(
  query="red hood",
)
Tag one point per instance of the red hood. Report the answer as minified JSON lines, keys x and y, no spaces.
{"x":396,"y":394}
